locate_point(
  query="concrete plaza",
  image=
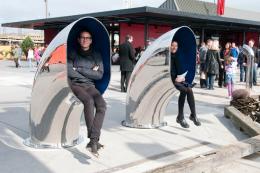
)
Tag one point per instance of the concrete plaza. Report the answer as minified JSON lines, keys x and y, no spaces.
{"x":126,"y":149}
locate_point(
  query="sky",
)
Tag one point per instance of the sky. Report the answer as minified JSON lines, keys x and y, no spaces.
{"x":20,"y":10}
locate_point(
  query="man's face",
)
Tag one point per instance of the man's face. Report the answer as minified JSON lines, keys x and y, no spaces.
{"x":174,"y":47}
{"x":209,"y":43}
{"x":85,"y":40}
{"x":233,"y":44}
{"x":251,"y":43}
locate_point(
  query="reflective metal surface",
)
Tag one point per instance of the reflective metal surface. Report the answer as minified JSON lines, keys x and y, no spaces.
{"x":249,"y":53}
{"x":150,"y":87}
{"x":55,"y":112}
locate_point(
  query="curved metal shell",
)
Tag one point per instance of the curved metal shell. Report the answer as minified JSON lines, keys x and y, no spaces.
{"x":55,"y":112}
{"x":150,"y":86}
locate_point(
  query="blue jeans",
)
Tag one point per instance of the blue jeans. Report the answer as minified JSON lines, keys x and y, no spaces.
{"x":210,"y":80}
{"x":242,"y":73}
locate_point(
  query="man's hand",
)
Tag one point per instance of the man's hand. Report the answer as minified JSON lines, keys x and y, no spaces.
{"x":95,"y":68}
{"x":74,"y":68}
{"x":179,"y":79}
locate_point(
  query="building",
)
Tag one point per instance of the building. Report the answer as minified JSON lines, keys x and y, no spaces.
{"x":146,"y":23}
{"x":8,"y":39}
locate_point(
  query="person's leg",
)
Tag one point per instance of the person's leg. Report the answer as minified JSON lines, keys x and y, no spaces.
{"x":123,"y":78}
{"x":100,"y":105}
{"x":245,"y":70}
{"x":208,"y":80}
{"x":241,"y":70}
{"x":88,"y":103}
{"x":212,"y":81}
{"x":191,"y":102}
{"x":16,"y":62}
{"x":232,"y":88}
{"x":97,"y":122}
{"x":229,"y":89}
{"x":220,"y":79}
{"x":128,"y":75}
{"x":181,"y":101}
{"x":224,"y":79}
{"x":202,"y":75}
{"x":19,"y":61}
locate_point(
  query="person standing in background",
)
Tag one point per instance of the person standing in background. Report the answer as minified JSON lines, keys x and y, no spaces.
{"x":212,"y":64}
{"x":30,"y":57}
{"x":222,"y":73}
{"x":202,"y":54}
{"x":256,"y":60}
{"x":185,"y":89}
{"x":37,"y":55}
{"x":127,"y":59}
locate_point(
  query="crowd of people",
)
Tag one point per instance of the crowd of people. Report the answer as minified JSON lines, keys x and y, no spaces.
{"x":220,"y":64}
{"x":214,"y":63}
{"x":32,"y":55}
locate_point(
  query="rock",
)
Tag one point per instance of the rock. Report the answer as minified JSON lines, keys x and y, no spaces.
{"x":240,"y":94}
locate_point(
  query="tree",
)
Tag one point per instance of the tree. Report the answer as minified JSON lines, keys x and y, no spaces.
{"x":26,"y":44}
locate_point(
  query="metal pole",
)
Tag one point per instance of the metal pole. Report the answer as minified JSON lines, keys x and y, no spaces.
{"x":46,"y":8}
{"x":202,"y":35}
{"x":244,"y":37}
{"x":146,"y":33}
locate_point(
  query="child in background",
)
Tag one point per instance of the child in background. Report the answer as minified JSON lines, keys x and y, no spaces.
{"x":229,"y":75}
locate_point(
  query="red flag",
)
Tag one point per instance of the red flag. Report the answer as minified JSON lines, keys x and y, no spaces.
{"x":220,"y":7}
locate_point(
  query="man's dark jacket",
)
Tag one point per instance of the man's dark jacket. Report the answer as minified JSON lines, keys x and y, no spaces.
{"x":83,"y":63}
{"x":126,"y":56}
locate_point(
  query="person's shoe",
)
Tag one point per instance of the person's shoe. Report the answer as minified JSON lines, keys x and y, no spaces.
{"x":195,"y":120}
{"x":99,"y":146}
{"x":183,"y":123}
{"x":93,"y":148}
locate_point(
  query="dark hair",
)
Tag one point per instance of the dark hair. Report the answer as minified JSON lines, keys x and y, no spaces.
{"x":175,"y":41}
{"x":83,"y":30}
{"x":209,"y":40}
{"x":252,"y":40}
{"x":127,"y":37}
{"x":78,"y":36}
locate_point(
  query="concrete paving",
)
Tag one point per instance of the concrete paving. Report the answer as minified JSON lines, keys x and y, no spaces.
{"x":126,"y":149}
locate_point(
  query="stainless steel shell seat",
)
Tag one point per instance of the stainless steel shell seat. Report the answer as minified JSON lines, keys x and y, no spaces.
{"x":55,"y":112}
{"x":150,"y":87}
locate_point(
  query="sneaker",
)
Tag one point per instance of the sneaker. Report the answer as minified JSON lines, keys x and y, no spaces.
{"x":183,"y":123}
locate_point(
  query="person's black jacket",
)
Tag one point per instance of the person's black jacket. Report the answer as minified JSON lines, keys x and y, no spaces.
{"x":178,"y":69}
{"x":175,"y":66}
{"x":126,"y":56}
{"x":83,"y":63}
{"x":241,"y":58}
{"x":212,"y":62}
